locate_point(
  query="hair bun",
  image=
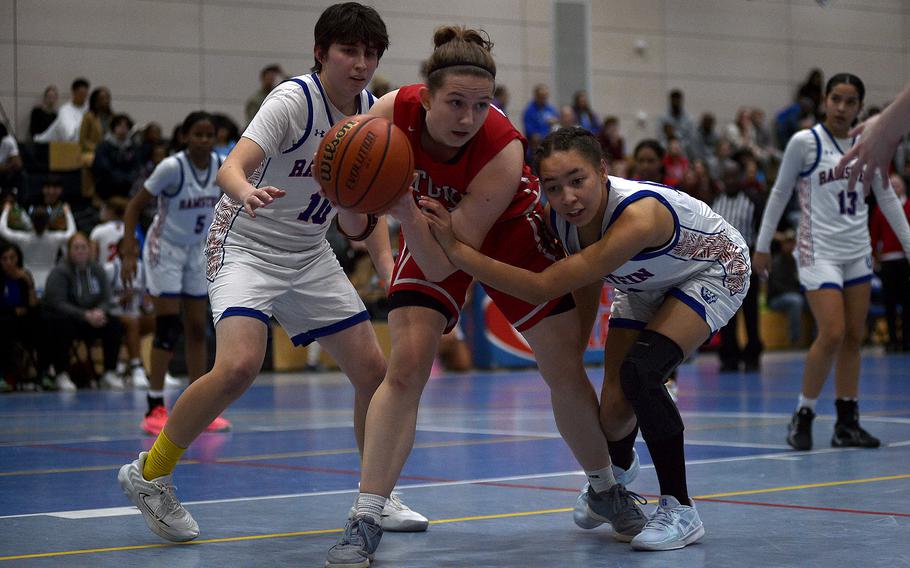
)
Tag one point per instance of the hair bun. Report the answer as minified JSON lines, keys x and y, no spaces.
{"x":446,"y":34}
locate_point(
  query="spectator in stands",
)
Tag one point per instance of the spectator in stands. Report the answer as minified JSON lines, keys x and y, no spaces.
{"x":705,"y":138}
{"x":116,"y":165}
{"x":612,"y":142}
{"x":226,"y":135}
{"x":743,"y":210}
{"x":675,"y":163}
{"x":894,"y":271}
{"x":269,"y":77}
{"x":792,"y":119}
{"x":540,"y":116}
{"x":52,"y":202}
{"x":108,"y":233}
{"x":18,"y":317}
{"x":95,"y":125}
{"x":567,"y":117}
{"x":43,"y":115}
{"x":10,"y":160}
{"x":18,"y":215}
{"x":784,"y":293}
{"x":79,"y":303}
{"x":500,"y":98}
{"x":40,"y":246}
{"x":648,"y":161}
{"x":812,"y":90}
{"x":723,"y":153}
{"x":698,"y":183}
{"x":65,"y":127}
{"x":677,"y":118}
{"x":147,"y":139}
{"x":584,"y":116}
{"x":741,"y":133}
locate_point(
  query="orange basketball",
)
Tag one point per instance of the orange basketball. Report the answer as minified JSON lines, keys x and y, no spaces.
{"x":365,"y":163}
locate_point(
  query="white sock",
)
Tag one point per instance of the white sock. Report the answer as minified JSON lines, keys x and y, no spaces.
{"x":371,"y":505}
{"x":805,"y":402}
{"x":135,"y":362}
{"x":156,"y":394}
{"x":601,"y":479}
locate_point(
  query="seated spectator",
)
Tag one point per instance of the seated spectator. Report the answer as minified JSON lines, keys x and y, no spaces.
{"x":698,"y":183}
{"x":79,"y":306}
{"x":675,"y":163}
{"x":612,"y":142}
{"x":269,"y":77}
{"x":116,"y":164}
{"x":584,"y":116}
{"x":540,"y":116}
{"x":40,"y":246}
{"x":18,"y":215}
{"x":723,"y":153}
{"x":52,"y":201}
{"x":648,"y":161}
{"x":95,"y":125}
{"x":108,"y":233}
{"x":500,"y":98}
{"x":676,"y":122}
{"x":226,"y":135}
{"x":10,"y":160}
{"x":19,"y":322}
{"x":43,"y":115}
{"x":784,"y":293}
{"x":705,"y":138}
{"x":147,"y":140}
{"x":133,"y":308}
{"x":65,"y":127}
{"x":566,"y":118}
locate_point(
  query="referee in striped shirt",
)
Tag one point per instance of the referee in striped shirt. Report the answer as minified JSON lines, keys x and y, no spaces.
{"x":741,"y":207}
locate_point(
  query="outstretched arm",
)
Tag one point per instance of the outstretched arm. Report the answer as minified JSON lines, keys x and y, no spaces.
{"x":880,"y":136}
{"x":645,"y":223}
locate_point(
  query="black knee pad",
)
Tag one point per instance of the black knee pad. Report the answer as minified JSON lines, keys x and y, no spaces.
{"x":167,"y":332}
{"x":642,"y":375}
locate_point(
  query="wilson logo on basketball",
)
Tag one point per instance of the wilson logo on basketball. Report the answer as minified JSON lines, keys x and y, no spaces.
{"x":361,"y":161}
{"x":330,"y":148}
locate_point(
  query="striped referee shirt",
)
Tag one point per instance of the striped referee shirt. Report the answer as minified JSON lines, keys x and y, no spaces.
{"x":740,"y":211}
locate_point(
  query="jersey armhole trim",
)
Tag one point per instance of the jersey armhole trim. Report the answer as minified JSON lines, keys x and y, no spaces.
{"x":309,"y":118}
{"x":818,"y":154}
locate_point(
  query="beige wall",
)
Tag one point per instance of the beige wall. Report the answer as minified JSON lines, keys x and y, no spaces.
{"x":163,"y":58}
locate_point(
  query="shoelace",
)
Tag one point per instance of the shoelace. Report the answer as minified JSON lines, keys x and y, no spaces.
{"x":169,"y":502}
{"x":661,"y":518}
{"x":395,"y":503}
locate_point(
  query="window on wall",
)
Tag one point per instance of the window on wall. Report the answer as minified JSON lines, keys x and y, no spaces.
{"x":571,"y":37}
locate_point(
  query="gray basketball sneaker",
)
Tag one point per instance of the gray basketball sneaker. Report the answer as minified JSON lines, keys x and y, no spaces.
{"x":357,"y":544}
{"x":619,"y":507}
{"x":157,"y":502}
{"x":623,"y":476}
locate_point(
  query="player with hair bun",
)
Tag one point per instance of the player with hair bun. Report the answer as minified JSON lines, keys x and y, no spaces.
{"x":469,"y":159}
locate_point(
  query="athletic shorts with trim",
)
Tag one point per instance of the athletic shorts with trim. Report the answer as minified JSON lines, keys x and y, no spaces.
{"x":834,"y":274}
{"x":705,"y":293}
{"x":522,"y":241}
{"x":307,"y":292}
{"x":174,"y":270}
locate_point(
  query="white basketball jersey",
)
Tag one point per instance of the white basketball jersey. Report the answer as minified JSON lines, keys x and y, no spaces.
{"x":107,"y":235}
{"x":833,"y":224}
{"x":701,"y":239}
{"x":289,"y":127}
{"x":186,"y":199}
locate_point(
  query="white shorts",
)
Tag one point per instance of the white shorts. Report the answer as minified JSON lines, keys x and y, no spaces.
{"x":174,"y":270}
{"x":307,"y":292}
{"x":705,"y":293}
{"x":834,"y":274}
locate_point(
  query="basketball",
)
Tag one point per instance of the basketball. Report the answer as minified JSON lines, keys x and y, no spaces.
{"x":365,"y":164}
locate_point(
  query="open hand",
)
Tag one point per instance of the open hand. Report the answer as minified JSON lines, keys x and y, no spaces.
{"x":261,"y":197}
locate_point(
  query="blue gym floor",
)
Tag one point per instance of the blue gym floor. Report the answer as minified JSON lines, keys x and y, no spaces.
{"x":488,"y":468}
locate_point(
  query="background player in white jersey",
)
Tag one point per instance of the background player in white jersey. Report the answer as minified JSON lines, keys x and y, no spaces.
{"x":268,"y":256}
{"x":833,"y":258}
{"x":185,"y":187}
{"x":133,"y":309}
{"x":680,"y":271}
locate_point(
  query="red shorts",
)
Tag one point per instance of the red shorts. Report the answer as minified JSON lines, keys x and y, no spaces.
{"x":522,"y":241}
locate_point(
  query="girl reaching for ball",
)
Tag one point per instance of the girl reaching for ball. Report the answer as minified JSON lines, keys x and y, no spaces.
{"x":469,"y":158}
{"x":680,"y":272}
{"x":267,"y":256}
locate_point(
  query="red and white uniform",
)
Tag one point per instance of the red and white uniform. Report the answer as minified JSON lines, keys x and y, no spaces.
{"x":518,"y":237}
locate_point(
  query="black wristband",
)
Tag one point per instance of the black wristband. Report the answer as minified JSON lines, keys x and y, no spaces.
{"x":371,"y":224}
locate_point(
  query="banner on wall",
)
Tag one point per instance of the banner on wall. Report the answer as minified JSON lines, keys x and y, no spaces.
{"x":497,"y":344}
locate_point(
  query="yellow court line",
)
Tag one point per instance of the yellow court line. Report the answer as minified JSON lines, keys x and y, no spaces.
{"x":304,"y":454}
{"x":439,"y":521}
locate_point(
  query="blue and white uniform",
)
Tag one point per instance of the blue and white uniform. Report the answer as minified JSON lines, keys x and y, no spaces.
{"x":833,"y":246}
{"x":705,"y":264}
{"x":279,"y":263}
{"x":175,"y":266}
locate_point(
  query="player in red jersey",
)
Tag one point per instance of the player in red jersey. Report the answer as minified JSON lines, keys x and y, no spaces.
{"x":469,"y":157}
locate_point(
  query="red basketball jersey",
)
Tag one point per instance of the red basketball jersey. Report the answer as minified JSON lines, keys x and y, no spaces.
{"x":448,"y":181}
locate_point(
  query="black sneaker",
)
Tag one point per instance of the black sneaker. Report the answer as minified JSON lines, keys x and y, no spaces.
{"x":851,"y":435}
{"x":799,"y":433}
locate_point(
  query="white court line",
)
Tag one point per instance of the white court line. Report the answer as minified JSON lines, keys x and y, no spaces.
{"x":122,"y":511}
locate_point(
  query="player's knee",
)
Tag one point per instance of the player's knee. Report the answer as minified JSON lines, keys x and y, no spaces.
{"x":831,"y":337}
{"x":167,"y":332}
{"x":237,"y":374}
{"x":642,"y":375}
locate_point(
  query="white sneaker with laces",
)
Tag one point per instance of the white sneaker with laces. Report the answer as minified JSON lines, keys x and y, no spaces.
{"x":138,"y":378}
{"x":112,"y":380}
{"x":157,"y":502}
{"x":397,"y":517}
{"x":671,"y":526}
{"x":64,"y":382}
{"x":172,"y":382}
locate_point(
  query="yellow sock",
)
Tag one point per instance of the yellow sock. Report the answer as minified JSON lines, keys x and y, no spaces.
{"x":162,"y":458}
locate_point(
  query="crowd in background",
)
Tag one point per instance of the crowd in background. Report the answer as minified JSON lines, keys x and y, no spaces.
{"x":59,"y":230}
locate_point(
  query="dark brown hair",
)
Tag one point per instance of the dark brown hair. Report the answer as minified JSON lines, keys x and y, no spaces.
{"x":459,"y":50}
{"x":350,"y":23}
